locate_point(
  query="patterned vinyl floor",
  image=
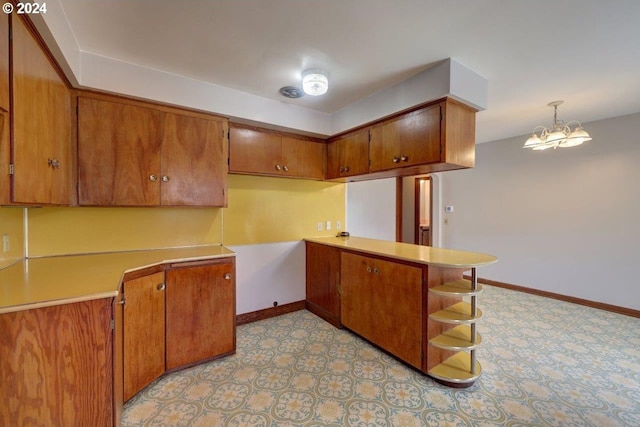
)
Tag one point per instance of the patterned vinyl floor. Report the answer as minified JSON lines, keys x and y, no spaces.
{"x":545,"y":363}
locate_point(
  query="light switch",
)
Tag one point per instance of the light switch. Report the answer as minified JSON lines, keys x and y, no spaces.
{"x":319,"y":226}
{"x":5,"y":243}
{"x":327,"y":225}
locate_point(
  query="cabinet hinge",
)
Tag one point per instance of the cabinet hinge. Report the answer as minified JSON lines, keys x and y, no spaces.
{"x":113,"y":325}
{"x":12,"y":169}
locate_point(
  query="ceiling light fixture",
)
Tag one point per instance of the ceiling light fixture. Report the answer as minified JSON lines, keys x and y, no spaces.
{"x":560,"y":135}
{"x":315,"y":82}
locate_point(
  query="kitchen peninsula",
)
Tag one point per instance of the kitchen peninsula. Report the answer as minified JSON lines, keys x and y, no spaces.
{"x":409,"y":300}
{"x":62,"y":321}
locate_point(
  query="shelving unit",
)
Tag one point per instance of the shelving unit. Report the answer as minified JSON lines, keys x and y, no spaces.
{"x":459,"y":336}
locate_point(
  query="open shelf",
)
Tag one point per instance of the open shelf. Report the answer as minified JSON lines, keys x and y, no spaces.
{"x":459,"y":313}
{"x":456,"y":339}
{"x":456,"y":370}
{"x":460,"y":287}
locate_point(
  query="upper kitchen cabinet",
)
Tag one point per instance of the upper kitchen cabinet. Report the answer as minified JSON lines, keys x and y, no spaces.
{"x":408,"y":140}
{"x":4,"y":62}
{"x":436,"y":137}
{"x":5,"y":143}
{"x":256,"y":151}
{"x":348,"y":154}
{"x":132,"y":153}
{"x":43,"y":155}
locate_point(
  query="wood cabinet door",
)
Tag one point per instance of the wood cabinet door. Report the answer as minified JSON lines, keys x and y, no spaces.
{"x":193,"y":161}
{"x":323,"y":281}
{"x":43,"y":154}
{"x":144,"y":343}
{"x":56,"y":365}
{"x":396,"y":293}
{"x":348,"y":155}
{"x":302,"y":158}
{"x":418,"y":134}
{"x":118,"y":154}
{"x":356,"y":308}
{"x":200,"y":314}
{"x":408,"y":140}
{"x":251,"y":151}
{"x":4,"y":62}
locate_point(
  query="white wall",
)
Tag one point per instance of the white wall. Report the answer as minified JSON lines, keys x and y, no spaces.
{"x":269,"y":272}
{"x":564,"y":221}
{"x":371,"y":209}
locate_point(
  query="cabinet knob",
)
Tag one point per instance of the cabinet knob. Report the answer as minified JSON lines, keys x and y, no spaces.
{"x":376,"y":271}
{"x":278,"y":167}
{"x":54,"y":163}
{"x":368,"y":269}
{"x":153,"y":178}
{"x":286,"y":168}
{"x":341,"y":169}
{"x":227,"y":276}
{"x":404,"y":158}
{"x":165,"y":178}
{"x":346,"y":168}
{"x":161,"y":286}
{"x":396,"y":159}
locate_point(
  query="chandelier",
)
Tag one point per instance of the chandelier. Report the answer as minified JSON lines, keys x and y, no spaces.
{"x":560,"y":135}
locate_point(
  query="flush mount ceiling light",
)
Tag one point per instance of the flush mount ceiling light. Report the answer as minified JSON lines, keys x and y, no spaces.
{"x":560,"y":135}
{"x":315,"y":81}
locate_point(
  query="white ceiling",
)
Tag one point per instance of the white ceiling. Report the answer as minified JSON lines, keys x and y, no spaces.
{"x":586,"y":52}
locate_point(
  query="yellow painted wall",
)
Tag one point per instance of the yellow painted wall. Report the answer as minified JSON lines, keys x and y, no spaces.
{"x":266,"y":210}
{"x":56,"y":231}
{"x":12,"y":224}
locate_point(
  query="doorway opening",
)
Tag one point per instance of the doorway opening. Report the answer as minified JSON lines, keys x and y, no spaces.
{"x":414,"y":210}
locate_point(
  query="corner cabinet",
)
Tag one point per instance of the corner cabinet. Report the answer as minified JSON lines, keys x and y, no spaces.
{"x":177,"y":318}
{"x":255,"y":151}
{"x":43,"y":154}
{"x":137,"y":154}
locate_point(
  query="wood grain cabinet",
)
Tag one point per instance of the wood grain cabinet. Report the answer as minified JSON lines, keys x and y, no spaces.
{"x":411,"y":139}
{"x":57,"y":365}
{"x":135,"y":154}
{"x":177,"y":318}
{"x":382,"y":301}
{"x":348,"y":155}
{"x":323,"y":282}
{"x":43,"y":155}
{"x":260,"y":152}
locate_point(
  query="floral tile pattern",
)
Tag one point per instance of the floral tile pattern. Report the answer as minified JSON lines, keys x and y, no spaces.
{"x":545,"y":363}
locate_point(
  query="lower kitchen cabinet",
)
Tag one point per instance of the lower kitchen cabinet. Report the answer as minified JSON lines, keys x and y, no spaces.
{"x":144,"y":343}
{"x":177,"y":318}
{"x":382,"y":302}
{"x":57,"y":365}
{"x":323,"y":281}
{"x":409,"y":300}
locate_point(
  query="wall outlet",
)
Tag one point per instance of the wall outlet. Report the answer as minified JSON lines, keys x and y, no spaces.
{"x":338,"y":225}
{"x":319,"y":226}
{"x":5,"y":243}
{"x":327,"y":225}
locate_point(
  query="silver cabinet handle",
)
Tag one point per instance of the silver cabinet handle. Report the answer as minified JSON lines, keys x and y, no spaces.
{"x":396,"y":159}
{"x":161,"y":286}
{"x":368,"y":269}
{"x":278,"y":167}
{"x":346,"y":168}
{"x":404,"y":158}
{"x":165,"y":178}
{"x":376,"y":271}
{"x":153,"y":178}
{"x":286,"y":168}
{"x":227,"y":276}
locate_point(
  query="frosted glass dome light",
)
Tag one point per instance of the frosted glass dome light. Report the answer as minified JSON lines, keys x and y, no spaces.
{"x":315,"y":82}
